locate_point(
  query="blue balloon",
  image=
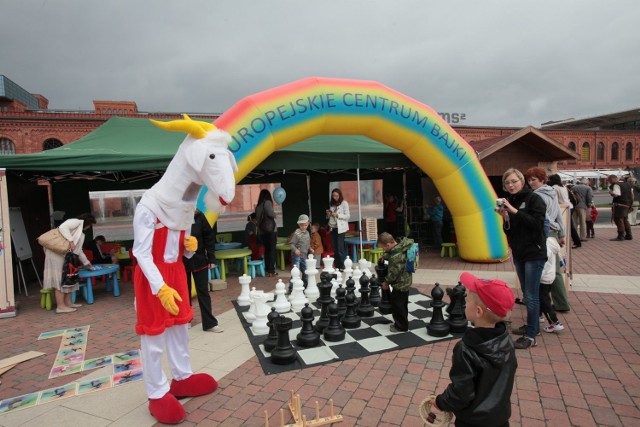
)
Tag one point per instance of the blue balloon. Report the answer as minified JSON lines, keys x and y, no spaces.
{"x":279,"y":195}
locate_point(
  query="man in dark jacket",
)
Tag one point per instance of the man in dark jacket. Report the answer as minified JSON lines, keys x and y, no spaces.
{"x":621,"y":204}
{"x":484,"y":361}
{"x":198,"y":265}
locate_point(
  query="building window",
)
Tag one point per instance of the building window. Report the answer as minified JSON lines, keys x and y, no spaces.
{"x":7,"y":147}
{"x":600,"y":151}
{"x":614,"y":151}
{"x":572,"y":146}
{"x":628,"y":151}
{"x":51,"y":143}
{"x":586,"y":152}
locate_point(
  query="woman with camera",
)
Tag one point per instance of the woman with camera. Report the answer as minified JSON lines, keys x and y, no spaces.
{"x":523,"y":214}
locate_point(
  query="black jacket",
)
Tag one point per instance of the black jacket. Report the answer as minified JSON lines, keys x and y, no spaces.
{"x":525,"y":230}
{"x":205,"y":254}
{"x":482,"y":374}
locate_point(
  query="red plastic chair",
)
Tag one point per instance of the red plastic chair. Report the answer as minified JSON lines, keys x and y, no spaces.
{"x":127,"y":272}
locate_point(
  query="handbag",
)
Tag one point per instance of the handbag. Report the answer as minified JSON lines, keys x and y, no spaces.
{"x":54,"y":241}
{"x":268,"y":225}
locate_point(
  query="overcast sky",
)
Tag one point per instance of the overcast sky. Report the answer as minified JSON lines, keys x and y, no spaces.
{"x":502,"y":63}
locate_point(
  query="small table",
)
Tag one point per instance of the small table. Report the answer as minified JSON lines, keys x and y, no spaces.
{"x":99,"y":270}
{"x":221,"y":246}
{"x":226,"y":254}
{"x":281,"y":249}
{"x":354,"y":242}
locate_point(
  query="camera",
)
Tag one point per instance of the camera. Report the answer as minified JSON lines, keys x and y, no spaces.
{"x":499,"y":202}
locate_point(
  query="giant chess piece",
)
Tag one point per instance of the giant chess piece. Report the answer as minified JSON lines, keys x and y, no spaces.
{"x":350,"y":286}
{"x":324,"y":299}
{"x":437,"y":327}
{"x":334,"y":331}
{"x":364,"y":266}
{"x":351,"y":320}
{"x":451,"y":292}
{"x":357,"y":274}
{"x":281,"y":303}
{"x":284,"y":353}
{"x":374,"y":295}
{"x":250,"y":315}
{"x":259,"y":326}
{"x":384,"y":307}
{"x":297,"y":298}
{"x":272,"y":339}
{"x":348,"y":270}
{"x":308,"y":336}
{"x":365,"y":309}
{"x":244,"y":298}
{"x":312,"y":291}
{"x":335,"y":281}
{"x":327,"y":264}
{"x":457,"y":320}
{"x":341,"y":293}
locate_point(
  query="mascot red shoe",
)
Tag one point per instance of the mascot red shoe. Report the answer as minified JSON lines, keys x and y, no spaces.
{"x":162,"y":218}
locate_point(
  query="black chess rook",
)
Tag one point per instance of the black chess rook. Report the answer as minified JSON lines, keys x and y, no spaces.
{"x":283,"y":353}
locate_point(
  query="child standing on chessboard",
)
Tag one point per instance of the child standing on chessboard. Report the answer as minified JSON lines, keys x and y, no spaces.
{"x":316,"y":243}
{"x":300,"y":243}
{"x":591,"y":220}
{"x":398,"y":278}
{"x":484,"y":360}
{"x":547,"y":278}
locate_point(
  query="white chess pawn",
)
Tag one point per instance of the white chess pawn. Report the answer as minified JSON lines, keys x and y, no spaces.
{"x":348,"y":263}
{"x":281,"y":303}
{"x":244,"y":299}
{"x":312,"y":292}
{"x":357,"y":273}
{"x":297,"y":299}
{"x":295,"y":273}
{"x":259,"y":326}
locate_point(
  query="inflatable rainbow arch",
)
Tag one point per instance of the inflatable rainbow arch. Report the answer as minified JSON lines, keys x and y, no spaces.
{"x":268,"y":121}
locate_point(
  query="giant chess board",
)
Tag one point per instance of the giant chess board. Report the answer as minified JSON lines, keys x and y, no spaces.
{"x":373,"y":336}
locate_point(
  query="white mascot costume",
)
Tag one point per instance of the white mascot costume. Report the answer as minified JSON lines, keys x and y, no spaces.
{"x":162,"y":217}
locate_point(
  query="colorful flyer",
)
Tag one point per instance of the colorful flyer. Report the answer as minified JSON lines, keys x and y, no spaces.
{"x":20,"y":402}
{"x":127,"y":355}
{"x":98,"y":362}
{"x":57,"y":393}
{"x":96,"y":384}
{"x":127,"y":377}
{"x":130,"y":365}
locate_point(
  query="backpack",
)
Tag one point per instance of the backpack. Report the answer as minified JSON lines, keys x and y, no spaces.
{"x":70,"y":276}
{"x":412,"y":254}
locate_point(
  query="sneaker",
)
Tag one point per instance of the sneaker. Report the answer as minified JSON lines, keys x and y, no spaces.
{"x":524,"y":343}
{"x":520,"y":330}
{"x":216,"y":329}
{"x":542,"y":318}
{"x":393,"y":328}
{"x":554,"y":327}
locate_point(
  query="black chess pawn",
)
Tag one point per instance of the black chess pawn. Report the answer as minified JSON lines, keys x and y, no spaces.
{"x":351,"y":320}
{"x":334,"y":331}
{"x":365,"y":309}
{"x":308,"y":336}
{"x":324,"y":287}
{"x":341,"y":293}
{"x":283,"y":353}
{"x":384,"y":306}
{"x":437,"y":327}
{"x":374,"y":295}
{"x":350,"y":286}
{"x":457,"y":319}
{"x":272,"y":339}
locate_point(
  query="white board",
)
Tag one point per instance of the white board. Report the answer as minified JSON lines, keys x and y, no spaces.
{"x":19,"y":235}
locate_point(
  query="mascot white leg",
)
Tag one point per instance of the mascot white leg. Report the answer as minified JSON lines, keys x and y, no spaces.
{"x":163,"y":215}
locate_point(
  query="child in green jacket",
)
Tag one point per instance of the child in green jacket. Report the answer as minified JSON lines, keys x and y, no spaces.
{"x":398,"y":277}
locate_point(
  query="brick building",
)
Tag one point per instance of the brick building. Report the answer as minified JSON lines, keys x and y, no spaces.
{"x":604,"y":142}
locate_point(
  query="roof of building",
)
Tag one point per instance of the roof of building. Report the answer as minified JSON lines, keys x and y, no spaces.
{"x":9,"y":90}
{"x":623,"y":120}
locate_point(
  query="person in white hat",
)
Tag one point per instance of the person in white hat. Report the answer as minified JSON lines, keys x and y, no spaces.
{"x":301,"y":246}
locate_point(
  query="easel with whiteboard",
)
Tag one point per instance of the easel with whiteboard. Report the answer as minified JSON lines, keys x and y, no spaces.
{"x":21,"y":246}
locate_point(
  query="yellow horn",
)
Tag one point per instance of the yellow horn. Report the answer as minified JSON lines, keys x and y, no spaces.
{"x":189,"y":126}
{"x":205,"y":125}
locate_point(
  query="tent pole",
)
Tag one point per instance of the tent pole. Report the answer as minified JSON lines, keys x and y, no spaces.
{"x":309,"y":196}
{"x":359,"y":207}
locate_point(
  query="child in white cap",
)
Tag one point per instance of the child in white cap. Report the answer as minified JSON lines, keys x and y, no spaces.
{"x":300,"y":245}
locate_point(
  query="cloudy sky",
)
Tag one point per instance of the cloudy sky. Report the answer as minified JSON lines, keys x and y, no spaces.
{"x":502,"y":63}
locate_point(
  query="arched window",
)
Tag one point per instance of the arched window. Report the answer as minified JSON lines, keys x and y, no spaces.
{"x":7,"y":147}
{"x":614,"y":151}
{"x":586,"y":152}
{"x":51,"y":143}
{"x":628,"y":151}
{"x":600,"y":151}
{"x":572,"y":146}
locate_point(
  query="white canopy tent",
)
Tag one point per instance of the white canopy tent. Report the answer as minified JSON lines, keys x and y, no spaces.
{"x":574,"y":175}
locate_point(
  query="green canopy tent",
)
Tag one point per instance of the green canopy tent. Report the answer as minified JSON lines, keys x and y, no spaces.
{"x":125,"y":149}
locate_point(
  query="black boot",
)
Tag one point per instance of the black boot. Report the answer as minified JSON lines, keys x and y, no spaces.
{"x":619,"y":238}
{"x":628,"y":237}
